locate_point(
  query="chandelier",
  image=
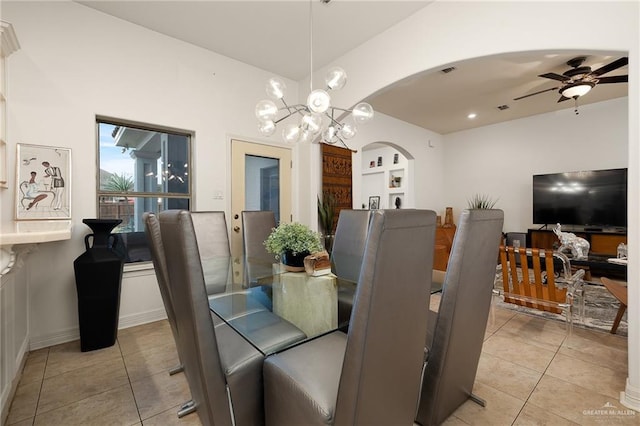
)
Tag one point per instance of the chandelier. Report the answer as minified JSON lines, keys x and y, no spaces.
{"x":316,"y":118}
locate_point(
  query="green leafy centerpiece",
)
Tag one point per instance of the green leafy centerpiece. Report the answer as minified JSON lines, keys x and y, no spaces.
{"x":292,"y":242}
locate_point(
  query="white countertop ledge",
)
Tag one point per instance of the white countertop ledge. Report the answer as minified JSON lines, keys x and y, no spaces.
{"x":36,"y":231}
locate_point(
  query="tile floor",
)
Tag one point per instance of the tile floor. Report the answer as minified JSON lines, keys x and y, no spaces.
{"x":527,"y":374}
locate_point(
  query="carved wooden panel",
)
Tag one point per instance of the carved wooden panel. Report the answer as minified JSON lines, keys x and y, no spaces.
{"x":336,"y":176}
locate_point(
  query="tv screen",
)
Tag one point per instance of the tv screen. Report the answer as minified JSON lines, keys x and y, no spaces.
{"x":587,"y":198}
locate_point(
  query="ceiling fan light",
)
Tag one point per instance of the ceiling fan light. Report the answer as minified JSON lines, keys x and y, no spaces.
{"x":576,"y":90}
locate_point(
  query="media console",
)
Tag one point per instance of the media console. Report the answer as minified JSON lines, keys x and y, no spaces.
{"x":604,"y":245}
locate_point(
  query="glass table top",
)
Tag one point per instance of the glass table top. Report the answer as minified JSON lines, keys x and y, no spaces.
{"x":274,"y":309}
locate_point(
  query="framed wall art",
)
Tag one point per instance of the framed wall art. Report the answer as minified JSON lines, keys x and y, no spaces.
{"x":43,"y":182}
{"x":374,"y":202}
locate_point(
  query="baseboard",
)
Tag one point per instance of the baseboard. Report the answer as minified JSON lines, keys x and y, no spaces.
{"x":10,"y":391}
{"x":71,"y":334}
{"x":142,"y":318}
{"x":630,"y":398}
{"x":53,"y":339}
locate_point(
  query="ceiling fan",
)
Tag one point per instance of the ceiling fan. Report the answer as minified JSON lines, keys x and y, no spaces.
{"x":579,"y":80}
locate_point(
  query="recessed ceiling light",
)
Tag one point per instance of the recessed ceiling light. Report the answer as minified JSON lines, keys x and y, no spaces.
{"x":472,"y":116}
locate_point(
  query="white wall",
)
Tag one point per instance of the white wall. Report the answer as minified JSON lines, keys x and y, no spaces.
{"x":423,"y":148}
{"x":500,"y":160}
{"x":76,"y":63}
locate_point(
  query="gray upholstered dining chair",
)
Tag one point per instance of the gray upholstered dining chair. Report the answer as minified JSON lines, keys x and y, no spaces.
{"x":213,"y":244}
{"x":152,"y":230}
{"x":245,"y":309}
{"x":346,"y":256}
{"x":215,"y":255}
{"x":455,"y":338}
{"x":372,"y":374}
{"x":256,"y":227}
{"x":220,"y":376}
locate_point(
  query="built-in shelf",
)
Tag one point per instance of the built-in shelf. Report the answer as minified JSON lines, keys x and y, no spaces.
{"x":35,"y":231}
{"x":387,"y":179}
{"x":373,"y":171}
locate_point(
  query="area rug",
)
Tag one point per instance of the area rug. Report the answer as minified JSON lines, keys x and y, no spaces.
{"x":600,"y":308}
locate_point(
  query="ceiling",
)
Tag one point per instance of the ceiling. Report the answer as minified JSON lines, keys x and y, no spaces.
{"x":274,"y":36}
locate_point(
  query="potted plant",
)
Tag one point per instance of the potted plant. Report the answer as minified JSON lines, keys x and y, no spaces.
{"x":292,"y":242}
{"x":481,"y":201}
{"x":326,"y":215}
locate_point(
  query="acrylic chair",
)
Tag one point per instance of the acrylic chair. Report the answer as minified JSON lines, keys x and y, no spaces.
{"x":456,"y":332}
{"x":346,"y":256}
{"x":372,"y":374}
{"x":529,"y":279}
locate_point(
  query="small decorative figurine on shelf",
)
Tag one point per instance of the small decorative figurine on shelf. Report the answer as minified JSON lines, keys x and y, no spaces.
{"x":379,"y":161}
{"x":398,"y":202}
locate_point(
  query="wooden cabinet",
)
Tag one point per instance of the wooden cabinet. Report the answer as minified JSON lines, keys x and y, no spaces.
{"x":602,"y":242}
{"x":607,"y":243}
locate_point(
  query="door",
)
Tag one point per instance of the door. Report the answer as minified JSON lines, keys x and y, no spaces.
{"x":260,"y":180}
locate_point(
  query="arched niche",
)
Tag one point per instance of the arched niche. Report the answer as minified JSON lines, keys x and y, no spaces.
{"x":383,"y":175}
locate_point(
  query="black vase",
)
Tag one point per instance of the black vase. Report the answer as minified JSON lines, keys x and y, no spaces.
{"x":98,"y":278}
{"x":293,"y":262}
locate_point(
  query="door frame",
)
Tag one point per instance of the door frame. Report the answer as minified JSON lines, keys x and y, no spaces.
{"x":240,"y":148}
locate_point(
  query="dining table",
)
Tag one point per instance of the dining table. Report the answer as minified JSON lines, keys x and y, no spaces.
{"x":277,"y":308}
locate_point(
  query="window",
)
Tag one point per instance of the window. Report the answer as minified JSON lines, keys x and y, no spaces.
{"x":141,"y":169}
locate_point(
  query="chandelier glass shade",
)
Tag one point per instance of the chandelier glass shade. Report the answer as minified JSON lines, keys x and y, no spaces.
{"x":315,"y":118}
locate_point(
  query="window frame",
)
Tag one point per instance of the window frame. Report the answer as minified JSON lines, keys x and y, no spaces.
{"x":100,"y":193}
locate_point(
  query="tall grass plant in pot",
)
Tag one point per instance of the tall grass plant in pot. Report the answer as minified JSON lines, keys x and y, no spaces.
{"x":326,"y":216}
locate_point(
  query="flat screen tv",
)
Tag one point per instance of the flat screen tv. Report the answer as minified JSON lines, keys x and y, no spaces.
{"x":593,"y":198}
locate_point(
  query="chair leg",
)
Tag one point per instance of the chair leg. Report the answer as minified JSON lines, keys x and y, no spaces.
{"x":619,"y":315}
{"x":175,"y":370}
{"x":568,"y":311}
{"x":475,"y":398}
{"x":186,"y":408}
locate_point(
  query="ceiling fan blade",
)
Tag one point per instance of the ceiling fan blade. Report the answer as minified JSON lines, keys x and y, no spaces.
{"x":563,"y":98}
{"x":536,"y":93}
{"x":612,"y":66}
{"x":614,"y":79}
{"x":554,"y":76}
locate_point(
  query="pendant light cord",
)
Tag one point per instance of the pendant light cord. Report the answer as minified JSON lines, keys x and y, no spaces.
{"x":310,"y":46}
